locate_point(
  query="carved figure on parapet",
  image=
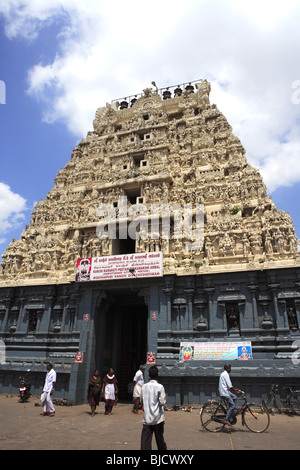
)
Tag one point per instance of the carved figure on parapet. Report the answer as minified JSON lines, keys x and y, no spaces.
{"x":204,"y":90}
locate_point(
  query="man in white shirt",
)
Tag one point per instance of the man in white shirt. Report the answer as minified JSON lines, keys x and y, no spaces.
{"x":225,"y":387}
{"x":153,"y":397}
{"x":48,"y":389}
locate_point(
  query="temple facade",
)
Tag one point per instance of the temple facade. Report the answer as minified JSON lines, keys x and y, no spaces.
{"x":167,"y":164}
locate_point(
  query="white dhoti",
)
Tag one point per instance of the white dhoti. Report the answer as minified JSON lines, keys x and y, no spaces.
{"x":137,"y":390}
{"x":46,"y":402}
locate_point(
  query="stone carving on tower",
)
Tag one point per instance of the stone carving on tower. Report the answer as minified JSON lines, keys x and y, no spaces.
{"x":155,"y":148}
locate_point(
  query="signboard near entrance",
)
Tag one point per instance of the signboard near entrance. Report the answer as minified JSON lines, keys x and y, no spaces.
{"x":134,"y":265}
{"x":215,"y":351}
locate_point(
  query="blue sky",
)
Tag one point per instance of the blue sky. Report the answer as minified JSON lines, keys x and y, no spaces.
{"x":62,"y":59}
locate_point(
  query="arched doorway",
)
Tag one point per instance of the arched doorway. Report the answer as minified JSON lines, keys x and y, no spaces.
{"x":121,"y":333}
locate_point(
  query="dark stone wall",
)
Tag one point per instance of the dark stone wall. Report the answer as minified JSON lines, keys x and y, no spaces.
{"x":54,"y":323}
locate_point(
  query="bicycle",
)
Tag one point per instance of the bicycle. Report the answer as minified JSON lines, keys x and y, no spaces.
{"x":254,"y":415}
{"x":291,"y":403}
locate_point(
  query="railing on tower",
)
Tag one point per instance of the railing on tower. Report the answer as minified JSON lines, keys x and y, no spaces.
{"x":165,"y":93}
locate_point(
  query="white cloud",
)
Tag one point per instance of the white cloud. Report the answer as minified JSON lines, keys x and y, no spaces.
{"x":108,"y":49}
{"x":266,"y":13}
{"x":12,"y":207}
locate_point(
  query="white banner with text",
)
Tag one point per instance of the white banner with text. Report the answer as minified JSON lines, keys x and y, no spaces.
{"x":131,"y":266}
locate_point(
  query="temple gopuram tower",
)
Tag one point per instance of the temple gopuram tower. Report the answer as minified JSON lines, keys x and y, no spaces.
{"x":79,"y":290}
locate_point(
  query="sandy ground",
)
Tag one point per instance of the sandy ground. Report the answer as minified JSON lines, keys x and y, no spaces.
{"x":73,"y":428}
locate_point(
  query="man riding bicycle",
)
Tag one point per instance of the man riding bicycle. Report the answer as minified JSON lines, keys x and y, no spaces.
{"x":225,"y":390}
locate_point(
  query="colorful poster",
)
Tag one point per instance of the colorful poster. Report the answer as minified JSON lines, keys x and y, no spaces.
{"x":83,"y":269}
{"x":227,"y":351}
{"x":131,"y":266}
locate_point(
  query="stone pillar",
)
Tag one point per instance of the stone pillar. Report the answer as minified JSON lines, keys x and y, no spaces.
{"x":13,"y":319}
{"x":76,"y":295}
{"x":22,"y":323}
{"x":49,"y":299}
{"x":5,"y":318}
{"x":2,"y":316}
{"x":40,"y":313}
{"x":189,"y":293}
{"x":241,"y":309}
{"x":168,"y":291}
{"x":297,"y":307}
{"x":179,"y":305}
{"x":7,"y":301}
{"x":253,"y":288}
{"x":279,"y":319}
{"x":222,"y":306}
{"x":282,"y":309}
{"x":209,"y":292}
{"x":65,"y":301}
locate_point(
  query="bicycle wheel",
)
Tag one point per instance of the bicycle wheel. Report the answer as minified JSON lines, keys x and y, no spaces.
{"x":268,"y":403}
{"x":256,"y":418}
{"x":212,"y":416}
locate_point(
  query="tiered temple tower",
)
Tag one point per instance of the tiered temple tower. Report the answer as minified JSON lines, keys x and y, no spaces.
{"x":163,"y":148}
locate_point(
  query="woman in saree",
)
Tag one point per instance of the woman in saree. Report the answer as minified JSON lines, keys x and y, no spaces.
{"x":110,"y":391}
{"x":94,"y":391}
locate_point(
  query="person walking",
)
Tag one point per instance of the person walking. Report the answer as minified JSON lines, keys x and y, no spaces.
{"x":94,"y":390}
{"x":110,"y":391}
{"x":48,"y":390}
{"x":138,"y":382}
{"x":153,"y":398}
{"x":225,"y":390}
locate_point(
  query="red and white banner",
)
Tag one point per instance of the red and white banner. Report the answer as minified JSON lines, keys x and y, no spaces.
{"x":134,"y":265}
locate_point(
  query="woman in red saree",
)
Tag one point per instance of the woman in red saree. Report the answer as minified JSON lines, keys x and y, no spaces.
{"x":94,"y":390}
{"x":110,"y":391}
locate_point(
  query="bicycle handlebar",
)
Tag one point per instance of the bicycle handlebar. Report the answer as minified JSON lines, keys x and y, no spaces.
{"x":275,"y":387}
{"x":241,"y":394}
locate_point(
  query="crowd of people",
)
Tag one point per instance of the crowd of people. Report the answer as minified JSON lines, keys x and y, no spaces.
{"x":150,"y":396}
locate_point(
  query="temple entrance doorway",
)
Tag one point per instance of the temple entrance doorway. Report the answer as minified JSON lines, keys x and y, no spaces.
{"x":122,"y":337}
